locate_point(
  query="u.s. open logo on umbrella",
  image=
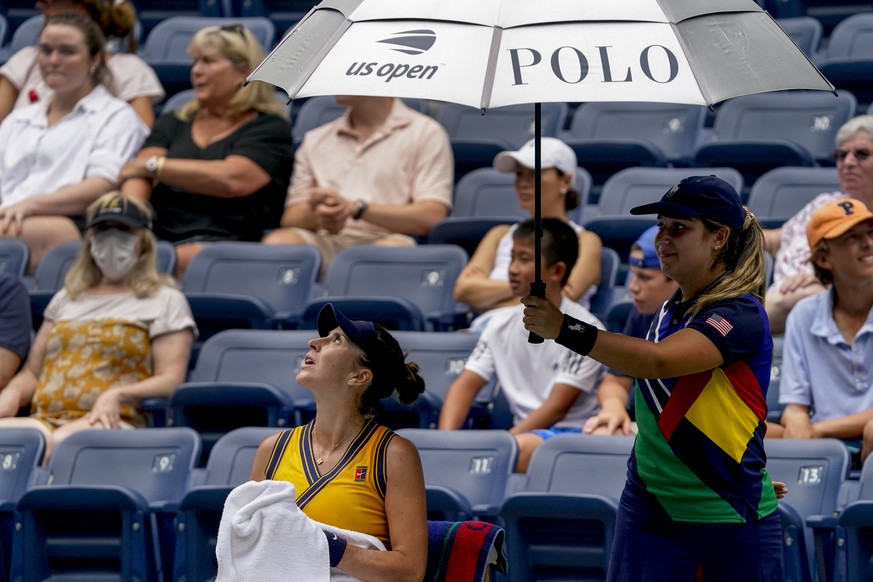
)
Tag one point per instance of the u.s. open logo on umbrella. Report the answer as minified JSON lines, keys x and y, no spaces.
{"x":411,"y":42}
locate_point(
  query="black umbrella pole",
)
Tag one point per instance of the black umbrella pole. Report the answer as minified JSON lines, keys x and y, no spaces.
{"x":538,"y":287}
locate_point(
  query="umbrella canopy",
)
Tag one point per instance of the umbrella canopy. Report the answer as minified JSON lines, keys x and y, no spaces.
{"x":490,"y":53}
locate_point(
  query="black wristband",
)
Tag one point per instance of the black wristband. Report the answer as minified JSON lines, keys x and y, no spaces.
{"x":336,"y":547}
{"x":577,"y":335}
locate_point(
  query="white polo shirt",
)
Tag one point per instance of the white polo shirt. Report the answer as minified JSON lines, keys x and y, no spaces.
{"x":94,"y":140}
{"x":527,"y":372}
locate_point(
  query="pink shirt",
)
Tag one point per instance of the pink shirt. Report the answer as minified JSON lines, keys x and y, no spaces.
{"x":407,"y":160}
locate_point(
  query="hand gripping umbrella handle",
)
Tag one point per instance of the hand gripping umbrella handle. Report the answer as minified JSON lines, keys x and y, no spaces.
{"x":537,"y":289}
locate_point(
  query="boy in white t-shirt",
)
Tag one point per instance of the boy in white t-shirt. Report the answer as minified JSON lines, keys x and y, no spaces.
{"x":550,"y":389}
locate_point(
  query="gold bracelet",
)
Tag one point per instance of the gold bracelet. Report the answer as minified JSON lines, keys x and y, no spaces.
{"x":158,"y":170}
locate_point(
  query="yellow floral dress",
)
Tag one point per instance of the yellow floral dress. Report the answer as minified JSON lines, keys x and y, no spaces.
{"x":99,"y":342}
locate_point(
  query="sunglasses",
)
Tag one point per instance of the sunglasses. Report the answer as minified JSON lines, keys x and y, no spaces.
{"x":235,"y":29}
{"x":861,"y":154}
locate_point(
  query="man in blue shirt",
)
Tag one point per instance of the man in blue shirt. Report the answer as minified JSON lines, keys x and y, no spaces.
{"x":827,"y":378}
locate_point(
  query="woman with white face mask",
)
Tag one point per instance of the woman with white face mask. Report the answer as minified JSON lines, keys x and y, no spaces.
{"x":117,"y":333}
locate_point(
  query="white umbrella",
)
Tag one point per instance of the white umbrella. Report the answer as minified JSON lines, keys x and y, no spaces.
{"x":491,"y":53}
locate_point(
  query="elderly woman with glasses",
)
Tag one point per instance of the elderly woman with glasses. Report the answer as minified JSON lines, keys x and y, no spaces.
{"x":116,"y":334}
{"x":219,"y":167}
{"x":793,"y":277}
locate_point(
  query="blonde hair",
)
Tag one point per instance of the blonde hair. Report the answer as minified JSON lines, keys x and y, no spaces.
{"x":238,"y":45}
{"x":144,"y":278}
{"x":743,"y":259}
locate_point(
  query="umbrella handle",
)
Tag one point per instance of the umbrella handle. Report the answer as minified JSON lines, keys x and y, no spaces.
{"x":537,"y":289}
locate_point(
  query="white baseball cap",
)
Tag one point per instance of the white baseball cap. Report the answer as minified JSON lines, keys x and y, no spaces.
{"x":553,"y":154}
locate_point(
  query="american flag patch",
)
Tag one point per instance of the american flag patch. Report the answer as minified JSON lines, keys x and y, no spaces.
{"x":361,"y":473}
{"x":722,"y":325}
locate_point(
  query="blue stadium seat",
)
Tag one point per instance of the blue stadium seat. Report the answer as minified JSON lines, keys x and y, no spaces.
{"x":25,"y":34}
{"x":151,"y":13}
{"x":513,"y":125}
{"x":109,"y":509}
{"x":671,"y":129}
{"x":849,"y":534}
{"x":774,"y":409}
{"x":249,"y":285}
{"x":14,"y":256}
{"x":635,"y":186}
{"x":609,"y":137}
{"x":441,"y":357}
{"x":814,"y":470}
{"x":848,"y":60}
{"x":472,"y":468}
{"x":214,"y":409}
{"x":560,"y":526}
{"x":805,"y":31}
{"x":609,"y":270}
{"x":17,"y":12}
{"x":178,"y":100}
{"x":756,"y":133}
{"x":316,"y":111}
{"x":21,"y":452}
{"x":166,"y":46}
{"x":424,"y":275}
{"x":619,"y":233}
{"x":616,"y":315}
{"x":393,"y":313}
{"x":465,"y":231}
{"x":239,"y":356}
{"x":780,"y":193}
{"x":285,"y":14}
{"x":245,"y":377}
{"x":230,"y":464}
{"x":477,"y":138}
{"x":485,"y":192}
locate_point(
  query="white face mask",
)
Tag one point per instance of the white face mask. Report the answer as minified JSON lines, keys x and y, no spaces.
{"x":114,"y":252}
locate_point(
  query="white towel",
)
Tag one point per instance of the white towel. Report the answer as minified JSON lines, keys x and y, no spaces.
{"x":263,"y":536}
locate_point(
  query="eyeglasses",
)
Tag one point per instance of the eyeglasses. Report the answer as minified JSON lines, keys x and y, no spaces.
{"x":860,"y":154}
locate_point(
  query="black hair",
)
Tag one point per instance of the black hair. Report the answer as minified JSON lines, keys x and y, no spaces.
{"x":571,"y":197}
{"x":392,"y":374}
{"x":559,"y":244}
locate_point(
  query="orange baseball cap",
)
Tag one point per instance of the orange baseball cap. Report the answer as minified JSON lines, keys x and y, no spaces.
{"x":836,"y":218}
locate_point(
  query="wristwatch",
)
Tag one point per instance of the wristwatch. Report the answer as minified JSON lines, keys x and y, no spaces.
{"x":152,"y":164}
{"x":360,"y":209}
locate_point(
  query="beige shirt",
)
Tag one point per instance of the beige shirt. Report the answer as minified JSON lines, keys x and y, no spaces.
{"x":407,"y":160}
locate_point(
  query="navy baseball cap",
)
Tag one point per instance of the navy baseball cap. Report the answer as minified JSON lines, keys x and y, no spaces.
{"x":699,"y":197}
{"x":362,"y":333}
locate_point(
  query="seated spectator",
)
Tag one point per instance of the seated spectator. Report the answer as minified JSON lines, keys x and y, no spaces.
{"x":60,"y":154}
{"x":483,"y":283}
{"x":15,"y":326}
{"x":828,"y":351}
{"x":381,"y":174}
{"x":218,"y":168}
{"x":350,"y":472}
{"x":550,"y":389}
{"x":650,"y":289}
{"x":793,"y":276}
{"x":117,"y":333}
{"x":129,"y":78}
